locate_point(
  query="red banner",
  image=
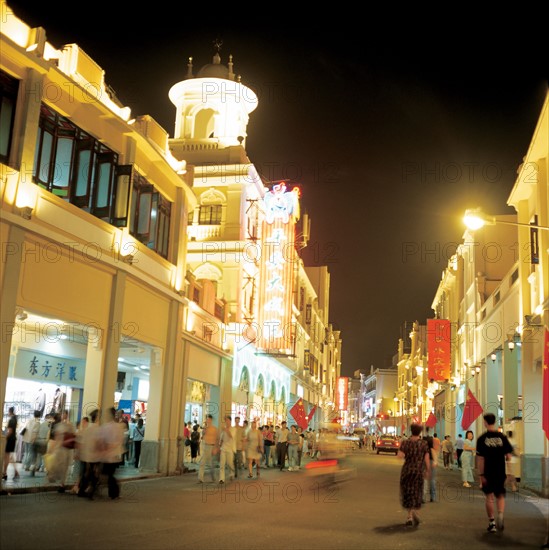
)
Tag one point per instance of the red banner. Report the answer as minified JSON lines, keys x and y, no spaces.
{"x":431,"y":421}
{"x":298,"y":413}
{"x":545,"y":399}
{"x":471,"y":412}
{"x":438,"y":349}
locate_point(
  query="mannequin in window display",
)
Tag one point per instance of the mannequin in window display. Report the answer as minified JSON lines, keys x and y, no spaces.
{"x":40,"y":402}
{"x":59,"y":398}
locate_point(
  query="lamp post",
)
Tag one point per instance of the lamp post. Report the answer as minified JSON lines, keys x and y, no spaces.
{"x":475,"y":219}
{"x":396,"y":399}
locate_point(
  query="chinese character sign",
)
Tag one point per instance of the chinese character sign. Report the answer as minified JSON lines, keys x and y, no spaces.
{"x":342,"y":393}
{"x":438,"y":349}
{"x":42,"y":367}
{"x":278,"y":262}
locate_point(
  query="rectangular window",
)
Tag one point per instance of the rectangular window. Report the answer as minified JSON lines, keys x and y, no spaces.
{"x":150,"y":215}
{"x":9,"y":87}
{"x":78,"y":168}
{"x":210,"y":214}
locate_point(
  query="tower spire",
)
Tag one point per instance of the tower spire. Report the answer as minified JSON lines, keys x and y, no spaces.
{"x":217,"y":43}
{"x":190,"y":68}
{"x":230,"y":65}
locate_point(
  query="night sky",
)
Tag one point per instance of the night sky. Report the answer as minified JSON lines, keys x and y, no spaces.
{"x":393,"y":123}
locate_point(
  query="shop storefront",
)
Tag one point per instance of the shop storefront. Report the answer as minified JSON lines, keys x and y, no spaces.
{"x":202,"y":391}
{"x":260,"y":387}
{"x":132,"y":391}
{"x":47,"y":368}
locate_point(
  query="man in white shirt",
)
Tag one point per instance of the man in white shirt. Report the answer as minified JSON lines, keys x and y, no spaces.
{"x":239,"y":435}
{"x":90,"y":456}
{"x":31,"y":433}
{"x":281,"y":436}
{"x":227,"y":447}
{"x":112,"y":439}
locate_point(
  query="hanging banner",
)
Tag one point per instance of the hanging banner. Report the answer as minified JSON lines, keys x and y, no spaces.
{"x":298,"y":414}
{"x":431,"y":421}
{"x":438,"y":349}
{"x":473,"y":409}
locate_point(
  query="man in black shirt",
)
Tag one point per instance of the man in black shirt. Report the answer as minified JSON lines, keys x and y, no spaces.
{"x":11,"y":437}
{"x":493,"y":450}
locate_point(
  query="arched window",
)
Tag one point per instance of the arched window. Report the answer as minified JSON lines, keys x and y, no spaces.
{"x":211,"y":207}
{"x":207,"y":271}
{"x":204,"y":124}
{"x":260,"y":390}
{"x":244,"y":380}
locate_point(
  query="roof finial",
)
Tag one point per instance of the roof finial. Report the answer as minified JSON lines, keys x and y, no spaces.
{"x":217,"y":43}
{"x":231,"y":73}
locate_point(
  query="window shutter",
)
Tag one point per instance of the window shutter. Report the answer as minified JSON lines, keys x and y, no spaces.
{"x":82,"y":173}
{"x":121,"y":193}
{"x":103,"y":183}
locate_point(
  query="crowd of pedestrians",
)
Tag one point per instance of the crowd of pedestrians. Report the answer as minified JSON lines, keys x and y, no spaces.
{"x":245,"y":447}
{"x":75,"y":457}
{"x":105,"y":440}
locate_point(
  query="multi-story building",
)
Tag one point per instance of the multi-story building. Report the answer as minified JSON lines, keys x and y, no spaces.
{"x":101,"y":303}
{"x":244,"y":240}
{"x":94,"y":210}
{"x":413,"y":395}
{"x":378,"y":401}
{"x":355,"y":411}
{"x":494,"y":293}
{"x":530,"y":198}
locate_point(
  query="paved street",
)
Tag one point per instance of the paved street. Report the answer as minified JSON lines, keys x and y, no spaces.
{"x":282,"y":509}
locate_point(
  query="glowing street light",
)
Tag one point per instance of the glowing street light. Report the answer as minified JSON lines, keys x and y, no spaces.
{"x":475,"y":219}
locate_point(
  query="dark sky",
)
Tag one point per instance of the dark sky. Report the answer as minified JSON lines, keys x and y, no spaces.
{"x":393,"y":122}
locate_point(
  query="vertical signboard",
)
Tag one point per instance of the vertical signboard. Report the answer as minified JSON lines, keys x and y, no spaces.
{"x":342,"y":393}
{"x":438,"y":349}
{"x":277,"y":266}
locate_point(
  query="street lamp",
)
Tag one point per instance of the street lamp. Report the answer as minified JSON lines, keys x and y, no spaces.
{"x":475,"y":219}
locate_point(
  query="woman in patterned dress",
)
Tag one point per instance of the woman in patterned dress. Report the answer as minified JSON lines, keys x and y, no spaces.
{"x":417,"y":465}
{"x":254,"y":448}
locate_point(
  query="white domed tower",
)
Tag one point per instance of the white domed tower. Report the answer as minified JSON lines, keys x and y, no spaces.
{"x":213,"y":109}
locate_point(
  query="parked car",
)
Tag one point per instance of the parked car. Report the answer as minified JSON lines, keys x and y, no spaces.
{"x":387,"y":444}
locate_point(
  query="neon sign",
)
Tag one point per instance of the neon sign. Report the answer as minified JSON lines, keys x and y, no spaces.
{"x":342,"y":395}
{"x":277,"y":264}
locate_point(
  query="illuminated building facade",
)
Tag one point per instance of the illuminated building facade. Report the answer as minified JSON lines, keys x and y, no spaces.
{"x":494,"y":292}
{"x":131,"y":262}
{"x":93,"y":223}
{"x":243,"y":245}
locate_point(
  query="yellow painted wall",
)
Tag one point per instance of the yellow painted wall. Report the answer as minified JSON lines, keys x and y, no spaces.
{"x":4,"y":233}
{"x":145,"y":316}
{"x":55,"y":281}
